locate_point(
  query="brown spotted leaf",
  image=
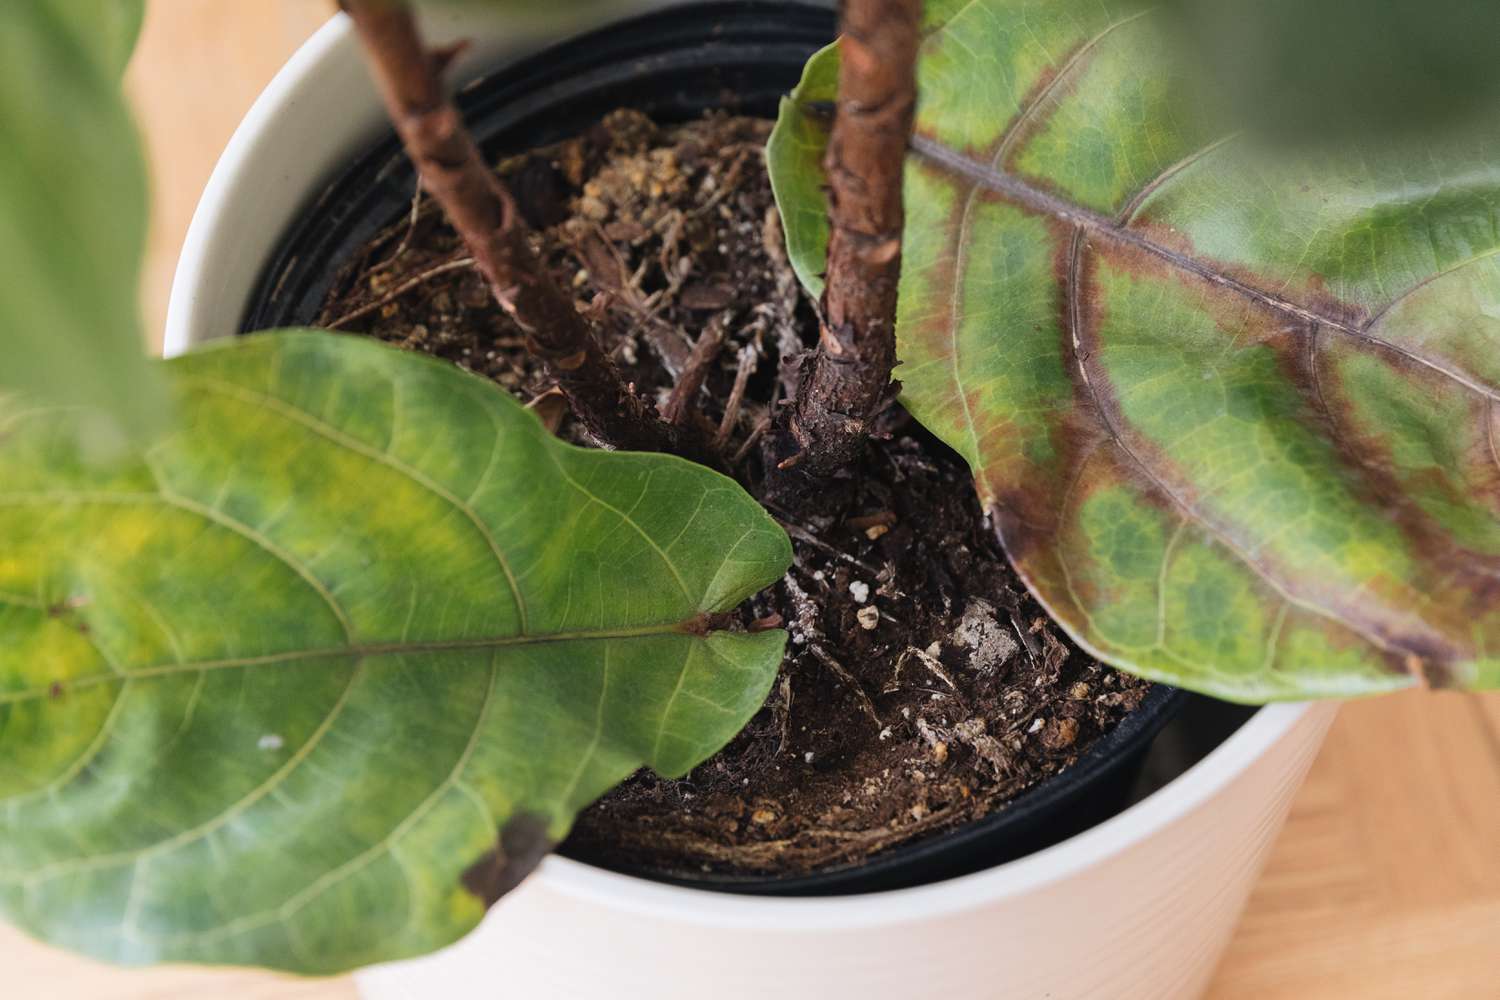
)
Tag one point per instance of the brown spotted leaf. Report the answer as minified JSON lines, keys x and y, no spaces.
{"x":1236,"y":417}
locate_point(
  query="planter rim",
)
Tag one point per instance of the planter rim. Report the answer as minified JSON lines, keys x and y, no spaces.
{"x":1095,"y":846}
{"x":232,"y":180}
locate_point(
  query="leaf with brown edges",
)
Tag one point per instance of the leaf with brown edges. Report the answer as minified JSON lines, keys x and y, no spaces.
{"x":1236,"y":418}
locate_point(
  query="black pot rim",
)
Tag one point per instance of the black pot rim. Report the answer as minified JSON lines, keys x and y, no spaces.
{"x":900,"y":867}
{"x":515,"y":109}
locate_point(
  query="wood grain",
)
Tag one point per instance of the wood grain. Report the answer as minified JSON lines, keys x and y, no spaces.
{"x":1385,"y":883}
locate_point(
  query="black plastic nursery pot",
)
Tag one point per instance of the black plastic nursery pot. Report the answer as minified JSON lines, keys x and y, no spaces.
{"x":675,"y":65}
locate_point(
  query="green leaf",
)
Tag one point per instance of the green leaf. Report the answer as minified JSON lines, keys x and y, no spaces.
{"x":73,"y":216}
{"x":1236,"y":417}
{"x":277,"y":694}
{"x":794,"y":156}
{"x":109,"y":27}
{"x":1329,"y":71}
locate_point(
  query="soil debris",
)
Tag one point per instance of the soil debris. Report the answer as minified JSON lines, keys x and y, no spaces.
{"x":923,"y":686}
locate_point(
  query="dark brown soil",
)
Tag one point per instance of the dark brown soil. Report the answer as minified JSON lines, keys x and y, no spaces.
{"x":923,"y":686}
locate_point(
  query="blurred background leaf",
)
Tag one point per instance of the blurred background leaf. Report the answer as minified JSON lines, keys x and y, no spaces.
{"x":1329,"y":71}
{"x":73,"y":198}
{"x":109,"y":27}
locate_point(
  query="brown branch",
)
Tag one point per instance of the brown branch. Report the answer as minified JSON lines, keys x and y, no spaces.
{"x":761,"y":426}
{"x":846,"y":382}
{"x":484,"y":214}
{"x":679,"y":407}
{"x":745,"y":364}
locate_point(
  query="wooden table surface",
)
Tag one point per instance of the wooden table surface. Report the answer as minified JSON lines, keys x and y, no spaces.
{"x":1385,"y":883}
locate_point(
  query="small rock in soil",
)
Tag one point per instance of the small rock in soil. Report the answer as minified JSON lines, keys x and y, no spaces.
{"x":989,"y":643}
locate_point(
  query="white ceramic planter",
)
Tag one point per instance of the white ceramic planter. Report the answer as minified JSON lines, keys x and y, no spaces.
{"x":1140,"y":906}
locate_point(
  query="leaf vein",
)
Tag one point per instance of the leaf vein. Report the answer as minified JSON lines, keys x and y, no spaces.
{"x":666,"y":559}
{"x":1189,"y":510}
{"x":46,"y":872}
{"x":339,"y":437}
{"x":295,"y":903}
{"x":291,"y":562}
{"x":1035,"y":199}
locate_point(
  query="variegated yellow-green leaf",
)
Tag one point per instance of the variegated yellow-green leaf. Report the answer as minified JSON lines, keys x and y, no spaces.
{"x":1237,"y":418}
{"x":73,"y":215}
{"x":340,"y":659}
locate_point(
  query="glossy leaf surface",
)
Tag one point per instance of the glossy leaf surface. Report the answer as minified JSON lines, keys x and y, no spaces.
{"x":1236,"y":416}
{"x":276,"y":695}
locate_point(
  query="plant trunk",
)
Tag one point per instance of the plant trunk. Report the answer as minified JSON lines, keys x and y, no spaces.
{"x":481,"y":209}
{"x":847,"y":380}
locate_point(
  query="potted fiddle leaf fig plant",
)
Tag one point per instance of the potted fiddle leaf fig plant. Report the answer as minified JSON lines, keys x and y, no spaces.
{"x":818,"y":509}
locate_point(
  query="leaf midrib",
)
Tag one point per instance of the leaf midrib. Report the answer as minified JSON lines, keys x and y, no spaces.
{"x":360,"y":651}
{"x":1096,"y":224}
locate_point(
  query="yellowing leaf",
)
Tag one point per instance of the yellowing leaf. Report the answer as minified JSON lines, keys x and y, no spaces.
{"x":333,"y":667}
